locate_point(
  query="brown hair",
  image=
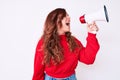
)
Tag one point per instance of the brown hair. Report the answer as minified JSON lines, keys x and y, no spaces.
{"x":51,"y":42}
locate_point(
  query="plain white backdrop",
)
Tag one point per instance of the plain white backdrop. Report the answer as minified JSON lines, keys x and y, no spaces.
{"x":21,"y":25}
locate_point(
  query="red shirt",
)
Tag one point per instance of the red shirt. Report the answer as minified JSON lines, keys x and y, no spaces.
{"x":67,"y":67}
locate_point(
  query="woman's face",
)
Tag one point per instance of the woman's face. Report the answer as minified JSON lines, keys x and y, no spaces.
{"x":65,"y":25}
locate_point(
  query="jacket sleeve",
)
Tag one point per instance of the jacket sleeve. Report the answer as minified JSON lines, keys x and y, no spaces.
{"x":38,"y":73}
{"x":87,"y":54}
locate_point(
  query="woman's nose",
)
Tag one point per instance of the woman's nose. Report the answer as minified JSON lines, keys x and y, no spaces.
{"x":68,"y":17}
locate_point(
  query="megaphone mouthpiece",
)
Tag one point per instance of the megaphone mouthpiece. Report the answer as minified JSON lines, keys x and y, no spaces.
{"x":82,"y":19}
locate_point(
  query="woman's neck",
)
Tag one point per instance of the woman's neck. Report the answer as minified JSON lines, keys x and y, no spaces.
{"x":61,"y":33}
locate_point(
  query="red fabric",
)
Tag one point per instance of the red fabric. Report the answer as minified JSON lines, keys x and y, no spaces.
{"x":67,"y":67}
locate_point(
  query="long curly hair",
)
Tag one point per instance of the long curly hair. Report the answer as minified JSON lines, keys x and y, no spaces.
{"x":51,"y":41}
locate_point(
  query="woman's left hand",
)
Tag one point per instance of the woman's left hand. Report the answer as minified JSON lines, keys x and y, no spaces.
{"x":92,"y":27}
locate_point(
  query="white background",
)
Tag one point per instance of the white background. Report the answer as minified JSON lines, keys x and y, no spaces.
{"x":21,"y":25}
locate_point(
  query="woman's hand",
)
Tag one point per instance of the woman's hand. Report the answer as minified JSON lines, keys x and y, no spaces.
{"x":92,"y":27}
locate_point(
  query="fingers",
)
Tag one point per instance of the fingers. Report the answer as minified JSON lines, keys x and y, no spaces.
{"x":92,"y":27}
{"x":91,"y":24}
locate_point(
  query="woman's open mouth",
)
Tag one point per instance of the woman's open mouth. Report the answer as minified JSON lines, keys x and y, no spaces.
{"x":68,"y":24}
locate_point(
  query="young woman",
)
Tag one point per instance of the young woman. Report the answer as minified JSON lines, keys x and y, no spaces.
{"x":58,"y":52}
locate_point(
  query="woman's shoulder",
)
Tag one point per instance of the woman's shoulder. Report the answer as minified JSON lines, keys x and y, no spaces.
{"x":39,"y":46}
{"x":77,"y":40}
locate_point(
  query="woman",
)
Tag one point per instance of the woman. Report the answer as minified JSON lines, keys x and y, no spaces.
{"x":58,"y":52}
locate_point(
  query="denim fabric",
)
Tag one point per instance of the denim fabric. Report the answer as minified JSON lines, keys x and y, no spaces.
{"x":72,"y":77}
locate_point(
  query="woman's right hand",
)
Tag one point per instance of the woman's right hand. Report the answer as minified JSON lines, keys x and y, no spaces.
{"x":92,"y":27}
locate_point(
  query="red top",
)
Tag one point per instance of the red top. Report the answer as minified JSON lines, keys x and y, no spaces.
{"x":67,"y":67}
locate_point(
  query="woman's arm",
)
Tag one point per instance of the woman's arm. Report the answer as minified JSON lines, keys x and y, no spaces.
{"x":87,"y":54}
{"x":38,"y":66}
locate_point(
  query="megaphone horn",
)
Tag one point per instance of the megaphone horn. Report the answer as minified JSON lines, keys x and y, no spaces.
{"x":101,"y":15}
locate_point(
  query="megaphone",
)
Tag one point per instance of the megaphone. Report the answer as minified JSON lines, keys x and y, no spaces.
{"x":101,"y":15}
